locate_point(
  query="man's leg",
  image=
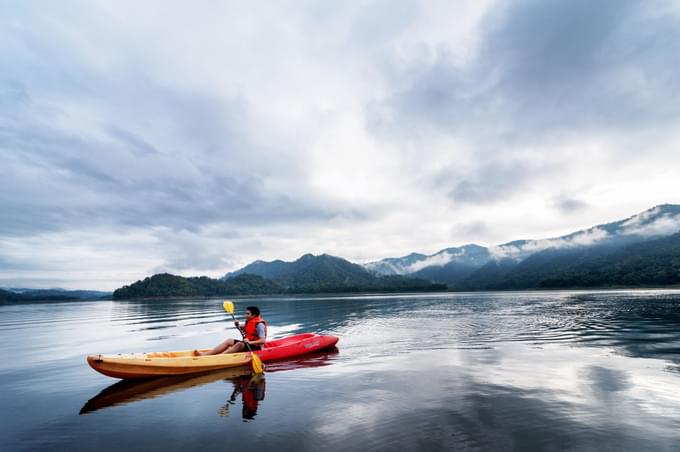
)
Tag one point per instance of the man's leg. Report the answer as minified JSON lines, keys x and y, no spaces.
{"x":218,"y":349}
{"x":236,"y":348}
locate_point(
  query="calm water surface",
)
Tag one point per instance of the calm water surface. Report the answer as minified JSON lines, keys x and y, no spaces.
{"x":484,"y":371}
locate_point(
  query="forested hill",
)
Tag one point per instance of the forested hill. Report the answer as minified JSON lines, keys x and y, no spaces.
{"x":6,"y":295}
{"x":164,"y":285}
{"x":309,"y":270}
{"x":309,"y":274}
{"x":655,"y":263}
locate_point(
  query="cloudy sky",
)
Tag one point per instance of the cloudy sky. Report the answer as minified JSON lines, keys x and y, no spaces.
{"x":193,"y":138}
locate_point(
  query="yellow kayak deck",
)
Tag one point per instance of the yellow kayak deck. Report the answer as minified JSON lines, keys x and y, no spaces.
{"x":142,"y":365}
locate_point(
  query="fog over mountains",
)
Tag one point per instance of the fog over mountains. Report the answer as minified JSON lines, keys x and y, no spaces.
{"x":655,"y":222}
{"x":658,"y":221}
{"x":637,"y":251}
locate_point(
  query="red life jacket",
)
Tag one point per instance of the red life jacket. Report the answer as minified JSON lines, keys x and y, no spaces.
{"x":249,"y":401}
{"x":250,"y":329}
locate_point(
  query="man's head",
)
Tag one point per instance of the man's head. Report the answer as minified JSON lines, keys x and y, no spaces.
{"x":252,"y":311}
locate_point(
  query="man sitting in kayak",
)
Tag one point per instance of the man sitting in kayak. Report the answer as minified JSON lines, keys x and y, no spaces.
{"x":254,"y":333}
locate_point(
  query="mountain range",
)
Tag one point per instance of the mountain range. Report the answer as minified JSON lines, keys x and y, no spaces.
{"x":642,"y":250}
{"x":322,"y":273}
{"x":308,"y":274}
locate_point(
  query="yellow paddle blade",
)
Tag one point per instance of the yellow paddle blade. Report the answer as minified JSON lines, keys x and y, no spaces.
{"x":228,"y":306}
{"x":258,"y":365}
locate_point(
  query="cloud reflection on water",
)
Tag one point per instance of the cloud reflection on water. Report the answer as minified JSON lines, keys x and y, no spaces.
{"x":522,"y":399}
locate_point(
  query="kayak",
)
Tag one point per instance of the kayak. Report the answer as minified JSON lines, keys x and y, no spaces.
{"x":146,"y":365}
{"x":127,"y":391}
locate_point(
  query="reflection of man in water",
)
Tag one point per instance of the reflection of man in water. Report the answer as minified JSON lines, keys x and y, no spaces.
{"x":252,"y":391}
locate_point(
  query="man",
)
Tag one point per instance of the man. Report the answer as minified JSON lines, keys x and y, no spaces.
{"x":254,"y":334}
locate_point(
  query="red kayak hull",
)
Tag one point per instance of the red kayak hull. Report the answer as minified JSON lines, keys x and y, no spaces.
{"x":299,"y":344}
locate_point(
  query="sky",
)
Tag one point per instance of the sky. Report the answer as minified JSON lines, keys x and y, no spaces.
{"x":196,"y":137}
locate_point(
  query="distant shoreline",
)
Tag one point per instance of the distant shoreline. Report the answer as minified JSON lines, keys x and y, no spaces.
{"x":348,"y":294}
{"x":439,"y":292}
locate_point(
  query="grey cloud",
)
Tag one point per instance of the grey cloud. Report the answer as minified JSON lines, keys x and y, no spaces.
{"x":12,"y":94}
{"x":475,"y":229}
{"x":546,"y":68}
{"x":382,"y":20}
{"x":154,"y":155}
{"x":565,"y":64}
{"x":195,"y":258}
{"x":490,"y":183}
{"x":570,"y":205}
{"x":131,"y":141}
{"x":9,"y":264}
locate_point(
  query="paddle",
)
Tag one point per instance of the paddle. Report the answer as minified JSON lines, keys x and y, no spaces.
{"x":258,"y":366}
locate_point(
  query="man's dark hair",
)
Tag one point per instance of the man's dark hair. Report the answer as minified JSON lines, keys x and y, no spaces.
{"x":254,"y":310}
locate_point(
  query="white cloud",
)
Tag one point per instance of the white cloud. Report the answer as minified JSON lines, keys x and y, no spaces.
{"x":663,"y":225}
{"x":648,"y":223}
{"x":519,"y":251}
{"x":439,"y":259}
{"x":638,"y":220}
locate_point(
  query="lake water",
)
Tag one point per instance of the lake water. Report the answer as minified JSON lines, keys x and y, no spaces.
{"x":484,"y":371}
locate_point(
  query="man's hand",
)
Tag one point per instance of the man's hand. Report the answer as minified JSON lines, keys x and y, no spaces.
{"x":236,"y":323}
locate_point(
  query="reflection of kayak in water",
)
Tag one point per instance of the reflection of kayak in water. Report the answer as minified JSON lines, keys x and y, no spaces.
{"x":128,"y":391}
{"x":145,"y":365}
